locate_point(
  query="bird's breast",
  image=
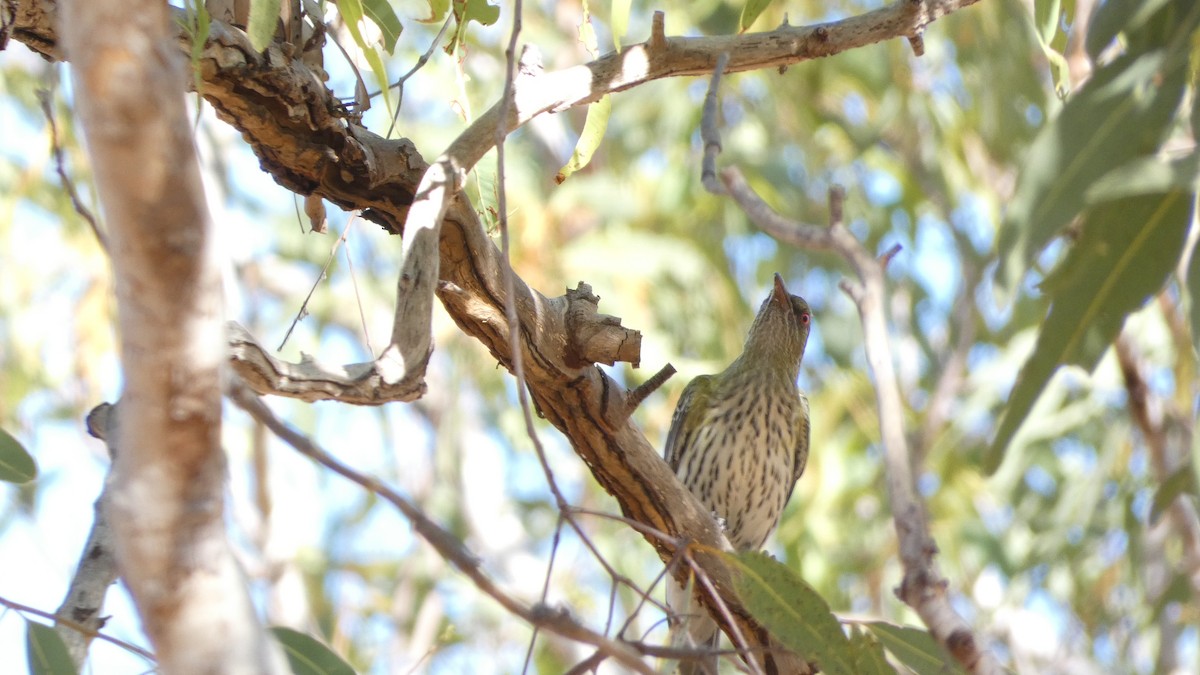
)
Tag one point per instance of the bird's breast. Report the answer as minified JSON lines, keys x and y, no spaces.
{"x":739,"y":461}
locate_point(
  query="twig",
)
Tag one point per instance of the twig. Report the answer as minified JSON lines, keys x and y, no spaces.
{"x":362,"y":317}
{"x":26,"y":609}
{"x":509,"y":279}
{"x":446,"y":545}
{"x":735,"y":634}
{"x":399,"y":84}
{"x":635,"y":396}
{"x":710,"y":133}
{"x":60,"y":167}
{"x":1168,"y":446}
{"x":546,"y":588}
{"x":303,"y":311}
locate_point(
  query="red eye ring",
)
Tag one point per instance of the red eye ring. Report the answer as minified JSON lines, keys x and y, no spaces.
{"x":805,"y":318}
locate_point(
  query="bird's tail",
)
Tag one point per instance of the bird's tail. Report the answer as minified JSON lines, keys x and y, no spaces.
{"x":693,"y":628}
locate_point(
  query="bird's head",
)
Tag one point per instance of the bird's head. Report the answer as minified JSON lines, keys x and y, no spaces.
{"x":780,"y":331}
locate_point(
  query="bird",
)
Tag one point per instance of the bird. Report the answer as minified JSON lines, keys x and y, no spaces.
{"x":739,"y":442}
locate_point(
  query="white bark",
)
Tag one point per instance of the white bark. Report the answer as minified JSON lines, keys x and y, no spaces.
{"x":167,"y":491}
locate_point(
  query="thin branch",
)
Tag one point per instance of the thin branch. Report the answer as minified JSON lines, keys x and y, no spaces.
{"x":710,"y":131}
{"x":923,"y":587}
{"x":324,"y":275}
{"x":546,"y":588}
{"x":1168,"y":439}
{"x":446,"y":545}
{"x":60,"y":167}
{"x":26,"y":609}
{"x":635,"y":396}
{"x":399,"y":84}
{"x":735,"y":634}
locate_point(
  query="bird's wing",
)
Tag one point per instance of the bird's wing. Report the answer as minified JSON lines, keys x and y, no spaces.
{"x":802,"y":425}
{"x":692,"y":404}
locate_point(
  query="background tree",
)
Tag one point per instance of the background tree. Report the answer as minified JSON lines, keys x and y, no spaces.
{"x":1031,"y":225}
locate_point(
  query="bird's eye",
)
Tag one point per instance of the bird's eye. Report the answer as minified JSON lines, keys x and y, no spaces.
{"x":805,"y":318}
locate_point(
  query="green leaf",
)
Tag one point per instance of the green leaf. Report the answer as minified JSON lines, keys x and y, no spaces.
{"x":437,"y":10}
{"x":750,"y":12}
{"x":1045,"y":18}
{"x":381,"y":13}
{"x":1125,"y":254}
{"x":1122,"y":113}
{"x":309,"y":656}
{"x":1117,"y":16}
{"x":466,"y":11}
{"x":869,"y":658}
{"x":46,"y":651}
{"x":1193,"y":290}
{"x":264,"y":18}
{"x":587,"y":32}
{"x":914,"y":648}
{"x":352,"y":13}
{"x":619,"y":20}
{"x":593,"y":132}
{"x":1060,"y":70}
{"x":1146,"y":175}
{"x":16,"y":464}
{"x":791,"y":610}
{"x":1181,"y":481}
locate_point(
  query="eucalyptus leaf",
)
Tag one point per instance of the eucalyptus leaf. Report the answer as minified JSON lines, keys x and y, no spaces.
{"x":1127,"y":250}
{"x":1045,"y":18}
{"x":750,"y":12}
{"x":589,"y":139}
{"x":915,"y":648}
{"x":1122,"y":113}
{"x":16,"y":464}
{"x":353,"y":12}
{"x":309,"y":656}
{"x":869,"y":658}
{"x":792,"y":611}
{"x":380,"y":12}
{"x":264,"y":18}
{"x":46,"y":652}
{"x":1181,"y":481}
{"x":1147,"y":175}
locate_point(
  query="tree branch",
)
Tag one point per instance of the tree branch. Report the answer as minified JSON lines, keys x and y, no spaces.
{"x":302,"y":137}
{"x":79,"y":617}
{"x":447,"y":546}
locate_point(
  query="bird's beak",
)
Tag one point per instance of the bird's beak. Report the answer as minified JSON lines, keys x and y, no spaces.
{"x":780,"y":294}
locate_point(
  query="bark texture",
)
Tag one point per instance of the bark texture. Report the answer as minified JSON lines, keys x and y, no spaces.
{"x":166,"y":497}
